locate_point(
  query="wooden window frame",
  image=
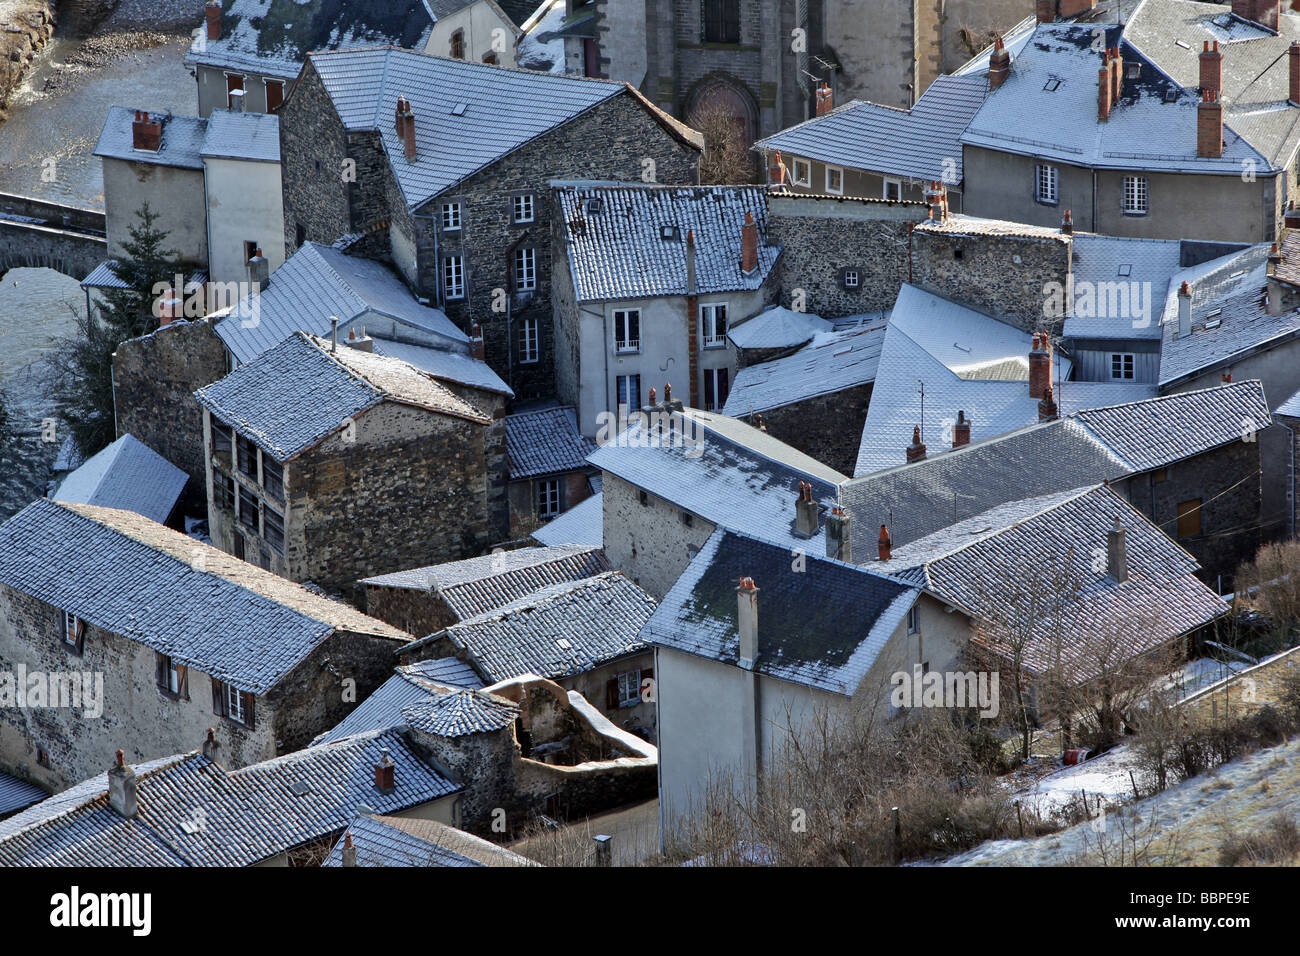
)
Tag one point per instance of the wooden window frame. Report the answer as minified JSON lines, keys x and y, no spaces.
{"x":221,"y":696}
{"x":530,"y":341}
{"x":1189,"y":518}
{"x":165,"y":668}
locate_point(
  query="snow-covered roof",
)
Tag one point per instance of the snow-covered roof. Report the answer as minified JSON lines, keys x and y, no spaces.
{"x":776,"y":327}
{"x":180,"y":144}
{"x":832,"y":362}
{"x":583,"y":524}
{"x":128,"y":474}
{"x":239,"y":135}
{"x":1140,"y":267}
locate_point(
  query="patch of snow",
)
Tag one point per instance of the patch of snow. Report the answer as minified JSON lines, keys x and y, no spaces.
{"x":547,"y":57}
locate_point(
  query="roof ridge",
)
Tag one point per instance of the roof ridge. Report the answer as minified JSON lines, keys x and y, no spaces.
{"x":549,"y":593}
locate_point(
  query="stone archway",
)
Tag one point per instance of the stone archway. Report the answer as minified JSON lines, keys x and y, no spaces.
{"x":725,"y":112}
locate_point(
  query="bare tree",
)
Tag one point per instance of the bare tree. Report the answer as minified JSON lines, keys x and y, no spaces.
{"x":726,"y":158}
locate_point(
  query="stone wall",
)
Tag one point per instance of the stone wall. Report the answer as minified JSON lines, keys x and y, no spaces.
{"x":827,"y":428}
{"x":28,"y":245}
{"x":650,"y":543}
{"x":418,"y":612}
{"x":28,"y":24}
{"x":154,"y":380}
{"x":313,"y":145}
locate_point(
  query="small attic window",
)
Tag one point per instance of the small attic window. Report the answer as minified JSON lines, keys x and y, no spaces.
{"x":1126,"y":269}
{"x":593,"y":206}
{"x":1051,"y":85}
{"x":1215,"y":314}
{"x":669,"y":232}
{"x":563,"y":643}
{"x":459,"y":109}
{"x":298,"y":788}
{"x":1183,"y":43}
{"x":1213,"y":324}
{"x":1132,"y":70}
{"x":1171,"y":95}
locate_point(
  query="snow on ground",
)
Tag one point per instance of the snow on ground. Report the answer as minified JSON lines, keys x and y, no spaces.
{"x":1106,"y":777}
{"x":532,"y":53}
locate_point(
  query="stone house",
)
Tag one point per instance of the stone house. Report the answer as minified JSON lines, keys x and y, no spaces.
{"x":653,"y":277}
{"x":425,"y":600}
{"x":329,"y":463}
{"x":152,"y":637}
{"x":582,"y":634}
{"x":673,"y":478}
{"x":371,"y":141}
{"x":549,"y":473}
{"x":756,"y":667}
{"x":1189,"y":133}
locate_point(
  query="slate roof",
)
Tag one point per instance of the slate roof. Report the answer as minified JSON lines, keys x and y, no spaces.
{"x":583,"y":524}
{"x":545,"y":442}
{"x":618,"y":253}
{"x":445,"y":365}
{"x":1151,"y":127}
{"x":292,"y":397}
{"x":133,"y":577}
{"x":103,"y":276}
{"x":240,"y":135}
{"x":822,"y":625}
{"x":460,"y":713}
{"x":1144,"y":266}
{"x":831,"y":363}
{"x":1290,"y":408}
{"x":1111,"y":442}
{"x":710,"y":463}
{"x":408,"y":685}
{"x":777,"y":327}
{"x":968,"y":363}
{"x":318,"y":282}
{"x":275,"y":38}
{"x":180,"y":146}
{"x":477,"y":585}
{"x":559,"y":631}
{"x":244,"y":816}
{"x":1029,"y":565}
{"x":411,"y":841}
{"x":502,"y":110}
{"x":923,"y":142}
{"x":127,"y":474}
{"x":16,"y":794}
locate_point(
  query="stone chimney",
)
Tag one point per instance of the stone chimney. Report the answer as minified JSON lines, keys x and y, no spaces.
{"x":1116,"y":74}
{"x":806,"y":521}
{"x":362,"y":342}
{"x":349,"y":850}
{"x":399,"y":117}
{"x":385,"y":773}
{"x":883,"y":544}
{"x":916,"y":450}
{"x":1273,"y":303}
{"x":961,"y":431}
{"x":1046,"y":406}
{"x":212,"y":13}
{"x":408,"y":133}
{"x":839,"y":545}
{"x":146,"y":132}
{"x":122,"y":795}
{"x":1105,"y":89}
{"x":1040,"y":366}
{"x":476,"y":348}
{"x":236,"y":101}
{"x":824,"y":100}
{"x":211,"y":746}
{"x":1211,"y":67}
{"x":334,"y":333}
{"x":1117,"y":552}
{"x":1067,"y":223}
{"x":1263,"y":12}
{"x":259,"y":271}
{"x":776,"y":172}
{"x":1209,"y":125}
{"x":747,"y":622}
{"x":1045,"y":11}
{"x":1184,"y":310}
{"x":1293,"y":64}
{"x":690,"y":261}
{"x":999,"y":64}
{"x":749,"y":245}
{"x":170,"y":308}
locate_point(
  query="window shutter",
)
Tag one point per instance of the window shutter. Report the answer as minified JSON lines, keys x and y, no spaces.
{"x":159,"y":669}
{"x":249,"y":719}
{"x":611,"y":694}
{"x":218,"y":698}
{"x":183,"y":681}
{"x":708,"y":390}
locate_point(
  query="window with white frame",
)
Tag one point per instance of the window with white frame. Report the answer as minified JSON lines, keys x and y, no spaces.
{"x":548,"y":498}
{"x":893,"y":190}
{"x":851,"y":278}
{"x":171,"y":677}
{"x":629,"y":391}
{"x":629,"y":688}
{"x":528,"y":340}
{"x":713,"y":323}
{"x":1135,"y":195}
{"x":453,"y":277}
{"x":912,"y":626}
{"x":74,"y":629}
{"x":802,"y":172}
{"x":627,"y":330}
{"x":834,"y":180}
{"x":523,"y":208}
{"x":1046,"y":184}
{"x":450,"y":216}
{"x":716,"y":389}
{"x":525,"y":269}
{"x":237,"y":705}
{"x":1121,"y":365}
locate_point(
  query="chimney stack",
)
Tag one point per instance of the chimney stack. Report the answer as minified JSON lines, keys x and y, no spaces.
{"x":1046,"y":406}
{"x":349,"y":850}
{"x":1263,"y":12}
{"x":1226,"y":378}
{"x":259,"y":272}
{"x":749,"y":245}
{"x":961,"y":431}
{"x":385,"y":773}
{"x":1293,"y":63}
{"x":399,"y":117}
{"x":690,"y":261}
{"x":1117,"y":552}
{"x":1211,"y":67}
{"x":999,"y":64}
{"x":1045,"y":10}
{"x":211,"y":747}
{"x":1116,"y":74}
{"x":334,"y":333}
{"x":1184,"y":310}
{"x":146,"y":132}
{"x":1104,"y":88}
{"x":408,"y":133}
{"x":824,"y":103}
{"x":747,"y":622}
{"x":476,"y":348}
{"x":362,"y":342}
{"x":1273,"y":300}
{"x":883,"y":544}
{"x":916,"y":450}
{"x":806,"y":521}
{"x":1067,"y":223}
{"x":122,"y":795}
{"x":839,"y":546}
{"x":170,"y":308}
{"x":1209,"y":125}
{"x":236,"y":101}
{"x":936,"y":196}
{"x":776,"y":172}
{"x":1072,"y":8}
{"x":1040,"y":366}
{"x":1291,"y":217}
{"x":212,"y":13}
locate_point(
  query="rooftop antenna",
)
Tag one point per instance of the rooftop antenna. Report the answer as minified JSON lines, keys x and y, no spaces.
{"x":922,"y":391}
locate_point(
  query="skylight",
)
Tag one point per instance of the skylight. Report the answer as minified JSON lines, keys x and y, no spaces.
{"x":1126,"y":269}
{"x":1051,"y":84}
{"x":459,"y":109}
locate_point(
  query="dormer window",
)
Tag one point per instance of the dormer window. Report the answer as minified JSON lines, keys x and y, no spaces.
{"x":669,"y":232}
{"x":593,"y":207}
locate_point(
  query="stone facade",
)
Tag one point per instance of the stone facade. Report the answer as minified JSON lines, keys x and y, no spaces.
{"x":612,"y":141}
{"x":575,"y":488}
{"x":649,"y":541}
{"x":827,"y":427}
{"x":148,"y":722}
{"x":154,"y":380}
{"x":418,"y":612}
